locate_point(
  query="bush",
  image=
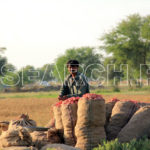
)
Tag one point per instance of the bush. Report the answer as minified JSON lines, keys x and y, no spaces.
{"x":141,"y":144}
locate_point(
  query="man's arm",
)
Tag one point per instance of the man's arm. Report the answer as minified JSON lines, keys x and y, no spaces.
{"x":64,"y":91}
{"x":84,"y":87}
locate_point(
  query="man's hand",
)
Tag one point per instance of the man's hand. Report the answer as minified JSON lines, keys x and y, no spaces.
{"x":62,"y":97}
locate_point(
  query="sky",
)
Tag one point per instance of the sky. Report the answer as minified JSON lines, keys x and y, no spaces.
{"x":36,"y":32}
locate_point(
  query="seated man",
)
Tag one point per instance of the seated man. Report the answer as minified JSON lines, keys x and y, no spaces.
{"x":75,"y":84}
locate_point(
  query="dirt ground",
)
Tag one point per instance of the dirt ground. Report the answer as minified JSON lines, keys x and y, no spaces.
{"x":40,"y":109}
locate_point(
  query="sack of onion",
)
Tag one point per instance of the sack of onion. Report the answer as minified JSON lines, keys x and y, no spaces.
{"x":89,"y":128}
{"x":69,"y":119}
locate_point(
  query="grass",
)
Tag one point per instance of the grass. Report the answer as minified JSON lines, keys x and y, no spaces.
{"x":30,"y":95}
{"x":141,"y":144}
{"x":39,"y":104}
{"x":39,"y":109}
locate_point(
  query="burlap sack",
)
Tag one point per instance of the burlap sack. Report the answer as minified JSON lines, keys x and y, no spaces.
{"x":41,"y":138}
{"x":58,"y":147}
{"x":19,"y":148}
{"x":89,"y":129}
{"x":4,"y":125}
{"x":15,"y":137}
{"x":121,"y":114}
{"x":51,"y":123}
{"x":23,"y":121}
{"x":142,"y":104}
{"x":57,"y":117}
{"x":53,"y":136}
{"x":138,"y":126}
{"x":69,"y":119}
{"x":109,"y":106}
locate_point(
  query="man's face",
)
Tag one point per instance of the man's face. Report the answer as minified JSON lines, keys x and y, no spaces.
{"x":72,"y":69}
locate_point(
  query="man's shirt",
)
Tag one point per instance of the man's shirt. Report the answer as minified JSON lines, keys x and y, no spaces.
{"x":75,"y":86}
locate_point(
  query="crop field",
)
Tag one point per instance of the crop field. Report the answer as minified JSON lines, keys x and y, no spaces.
{"x":39,"y":104}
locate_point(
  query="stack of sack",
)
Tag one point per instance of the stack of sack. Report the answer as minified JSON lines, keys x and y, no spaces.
{"x":65,"y":114}
{"x":127,"y":120}
{"x":121,"y":114}
{"x":15,"y":137}
{"x":137,"y":127}
{"x":18,"y":135}
{"x":81,"y":120}
{"x":82,"y":123}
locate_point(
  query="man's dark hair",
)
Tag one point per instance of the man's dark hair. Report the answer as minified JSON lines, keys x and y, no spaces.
{"x":73,"y":63}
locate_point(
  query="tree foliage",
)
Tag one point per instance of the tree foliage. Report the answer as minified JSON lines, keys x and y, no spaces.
{"x":129,"y":43}
{"x":86,"y":56}
{"x":46,"y":72}
{"x":3,"y":61}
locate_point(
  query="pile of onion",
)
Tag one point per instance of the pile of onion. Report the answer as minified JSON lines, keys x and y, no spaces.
{"x":58,"y":104}
{"x":71,"y":100}
{"x":92,"y":96}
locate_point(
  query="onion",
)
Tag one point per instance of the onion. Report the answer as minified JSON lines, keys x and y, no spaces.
{"x":92,"y":96}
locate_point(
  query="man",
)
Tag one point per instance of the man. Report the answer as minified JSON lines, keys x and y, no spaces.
{"x":75,"y":84}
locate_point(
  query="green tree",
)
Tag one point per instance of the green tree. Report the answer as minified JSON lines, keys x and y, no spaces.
{"x":29,"y":74}
{"x":7,"y":71}
{"x":46,"y":72}
{"x":87,"y":57}
{"x":10,"y":76}
{"x":129,"y":43}
{"x":114,"y":70}
{"x":3,"y":61}
{"x":26,"y":75}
